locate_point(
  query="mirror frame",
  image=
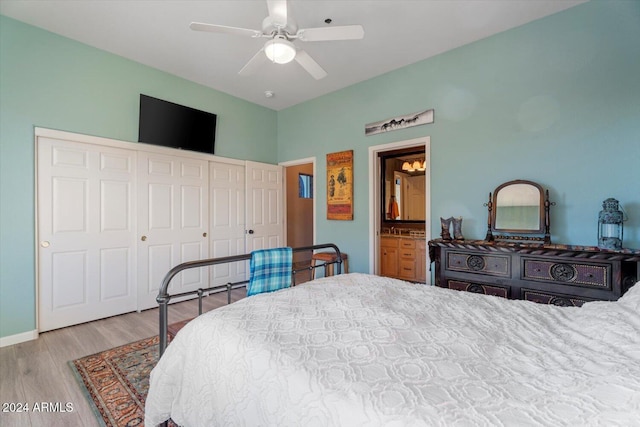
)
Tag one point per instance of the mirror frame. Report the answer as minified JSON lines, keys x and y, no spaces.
{"x":534,"y":235}
{"x":383,"y":167}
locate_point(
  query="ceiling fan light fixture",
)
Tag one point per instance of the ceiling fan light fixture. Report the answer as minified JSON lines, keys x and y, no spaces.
{"x":280,"y":50}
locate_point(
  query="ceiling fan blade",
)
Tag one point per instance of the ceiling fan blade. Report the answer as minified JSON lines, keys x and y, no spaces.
{"x":254,"y":63}
{"x":345,"y":32}
{"x":278,"y":12}
{"x":310,"y":65}
{"x":213,"y":28}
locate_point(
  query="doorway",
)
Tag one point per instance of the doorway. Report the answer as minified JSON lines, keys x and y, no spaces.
{"x":377,"y":214}
{"x":300,"y":212}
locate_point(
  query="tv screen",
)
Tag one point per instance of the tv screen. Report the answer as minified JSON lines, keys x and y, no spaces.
{"x":172,"y":125}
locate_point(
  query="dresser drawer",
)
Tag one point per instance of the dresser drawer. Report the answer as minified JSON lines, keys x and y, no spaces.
{"x":554,"y":299}
{"x":495,"y":265}
{"x":594,"y":275}
{"x":478,"y":288}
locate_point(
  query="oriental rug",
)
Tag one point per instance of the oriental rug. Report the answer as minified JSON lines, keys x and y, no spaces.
{"x":116,"y":381}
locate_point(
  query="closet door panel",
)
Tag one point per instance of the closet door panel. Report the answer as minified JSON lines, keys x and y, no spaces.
{"x":114,"y":282}
{"x":227,"y":221}
{"x":172,"y":223}
{"x":265,"y":220}
{"x":86,"y":233}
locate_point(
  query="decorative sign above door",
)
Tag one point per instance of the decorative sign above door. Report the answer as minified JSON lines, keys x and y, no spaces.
{"x":400,"y":122}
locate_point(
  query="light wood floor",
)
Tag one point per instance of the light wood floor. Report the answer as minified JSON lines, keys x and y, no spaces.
{"x":38,"y":371}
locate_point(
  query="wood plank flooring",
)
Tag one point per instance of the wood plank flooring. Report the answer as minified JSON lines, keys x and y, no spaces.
{"x":38,"y":371}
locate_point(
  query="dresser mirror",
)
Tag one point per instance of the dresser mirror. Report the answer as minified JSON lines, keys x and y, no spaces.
{"x":519,"y":210}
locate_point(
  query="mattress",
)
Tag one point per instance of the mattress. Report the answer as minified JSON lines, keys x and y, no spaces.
{"x":364,"y":350}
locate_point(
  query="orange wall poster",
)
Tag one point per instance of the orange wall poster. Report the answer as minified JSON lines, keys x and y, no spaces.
{"x":340,"y":185}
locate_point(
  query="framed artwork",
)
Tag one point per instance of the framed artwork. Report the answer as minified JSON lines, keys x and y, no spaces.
{"x":400,"y":122}
{"x":340,"y":185}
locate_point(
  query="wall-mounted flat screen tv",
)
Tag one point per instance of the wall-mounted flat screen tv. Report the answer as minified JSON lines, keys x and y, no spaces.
{"x":172,"y":125}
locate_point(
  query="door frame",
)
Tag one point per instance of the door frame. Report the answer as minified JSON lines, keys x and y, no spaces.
{"x":297,"y":162}
{"x":375,"y":220}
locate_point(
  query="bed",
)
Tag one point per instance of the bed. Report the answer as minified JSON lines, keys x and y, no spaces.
{"x":363,"y":350}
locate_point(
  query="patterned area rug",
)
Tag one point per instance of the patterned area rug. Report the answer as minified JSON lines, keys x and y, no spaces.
{"x":116,"y":381}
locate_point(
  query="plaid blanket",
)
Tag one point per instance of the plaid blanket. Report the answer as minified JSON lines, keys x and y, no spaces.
{"x":270,"y":270}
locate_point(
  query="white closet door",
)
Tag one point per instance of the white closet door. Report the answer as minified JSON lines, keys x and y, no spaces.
{"x":265,"y":221}
{"x":86,"y":232}
{"x":227,"y":220}
{"x":172,"y":223}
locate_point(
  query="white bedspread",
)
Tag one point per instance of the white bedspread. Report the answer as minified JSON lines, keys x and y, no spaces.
{"x":361,"y":350}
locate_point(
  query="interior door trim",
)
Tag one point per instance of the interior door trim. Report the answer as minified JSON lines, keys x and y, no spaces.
{"x":297,"y":162}
{"x":374,"y":194}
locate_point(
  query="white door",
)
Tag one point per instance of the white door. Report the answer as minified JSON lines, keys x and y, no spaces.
{"x":264,"y":210}
{"x":86,"y":232}
{"x":415,"y":197}
{"x":227,"y":220}
{"x":172,"y":223}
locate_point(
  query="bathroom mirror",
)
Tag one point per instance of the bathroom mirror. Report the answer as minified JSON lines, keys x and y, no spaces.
{"x":520,"y":210}
{"x":402,"y":187}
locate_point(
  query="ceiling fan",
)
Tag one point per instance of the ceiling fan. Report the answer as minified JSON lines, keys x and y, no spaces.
{"x":281,"y":30}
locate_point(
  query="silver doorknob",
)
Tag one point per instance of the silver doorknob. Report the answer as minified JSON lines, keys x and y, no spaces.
{"x":44,"y":244}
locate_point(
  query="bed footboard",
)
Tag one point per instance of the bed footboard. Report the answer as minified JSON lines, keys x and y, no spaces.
{"x":164,"y":297}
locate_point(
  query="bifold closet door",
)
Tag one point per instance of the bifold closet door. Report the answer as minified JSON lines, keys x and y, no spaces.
{"x":265,"y":206}
{"x":86,"y":232}
{"x":227,"y":220}
{"x":172,"y":223}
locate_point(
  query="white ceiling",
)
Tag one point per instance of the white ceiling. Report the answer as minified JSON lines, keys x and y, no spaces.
{"x":397,"y":33}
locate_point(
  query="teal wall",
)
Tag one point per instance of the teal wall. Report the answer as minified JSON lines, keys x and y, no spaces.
{"x":53,"y":82}
{"x":556,"y":101}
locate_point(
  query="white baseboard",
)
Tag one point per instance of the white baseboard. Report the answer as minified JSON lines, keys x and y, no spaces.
{"x":18,"y":338}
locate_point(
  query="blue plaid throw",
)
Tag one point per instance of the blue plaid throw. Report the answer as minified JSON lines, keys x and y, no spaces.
{"x":270,"y":270}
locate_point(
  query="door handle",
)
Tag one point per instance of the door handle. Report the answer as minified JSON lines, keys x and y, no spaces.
{"x":204,"y":234}
{"x":250,"y":231}
{"x":143,"y":238}
{"x":44,"y":244}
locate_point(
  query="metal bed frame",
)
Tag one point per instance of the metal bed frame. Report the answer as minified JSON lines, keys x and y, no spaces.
{"x":164,"y":297}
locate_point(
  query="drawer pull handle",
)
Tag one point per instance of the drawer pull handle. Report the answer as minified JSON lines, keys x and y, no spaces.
{"x":563,"y":272}
{"x":476,"y":289}
{"x":475,"y":263}
{"x":560,"y":302}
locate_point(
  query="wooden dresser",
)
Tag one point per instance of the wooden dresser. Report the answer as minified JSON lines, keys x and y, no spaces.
{"x":403,"y":257}
{"x":549,"y":274}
